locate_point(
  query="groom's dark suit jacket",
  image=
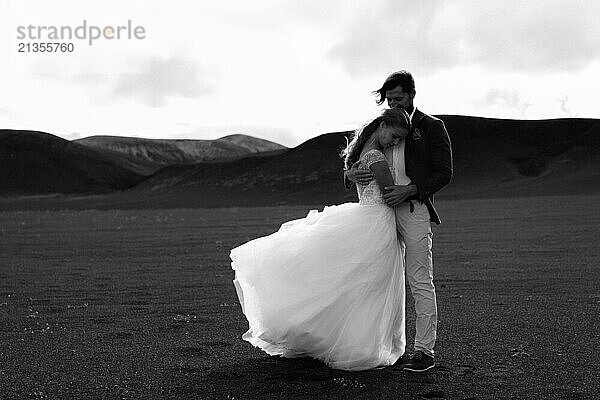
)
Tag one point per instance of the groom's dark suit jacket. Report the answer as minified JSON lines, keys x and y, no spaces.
{"x":428,"y":159}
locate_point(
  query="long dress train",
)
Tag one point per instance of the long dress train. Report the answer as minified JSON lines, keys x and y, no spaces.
{"x":328,"y":286}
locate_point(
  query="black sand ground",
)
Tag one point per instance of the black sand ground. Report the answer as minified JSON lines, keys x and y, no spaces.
{"x":139,"y":304}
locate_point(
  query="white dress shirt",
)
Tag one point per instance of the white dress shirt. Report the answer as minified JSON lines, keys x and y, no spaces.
{"x":398,"y":167}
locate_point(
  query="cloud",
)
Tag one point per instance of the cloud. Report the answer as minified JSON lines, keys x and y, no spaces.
{"x":153,"y":81}
{"x":435,"y":35}
{"x":159,"y":79}
{"x":4,"y":112}
{"x":72,"y":136}
{"x":318,"y":13}
{"x":507,"y":98}
{"x":563,"y":107}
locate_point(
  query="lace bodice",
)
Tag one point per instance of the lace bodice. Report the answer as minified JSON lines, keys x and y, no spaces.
{"x":370,"y":194}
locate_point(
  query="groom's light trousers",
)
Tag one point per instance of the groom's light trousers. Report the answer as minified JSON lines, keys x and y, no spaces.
{"x":415,"y":237}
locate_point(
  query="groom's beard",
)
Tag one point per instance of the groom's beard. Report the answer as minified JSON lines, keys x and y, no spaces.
{"x":408,"y":109}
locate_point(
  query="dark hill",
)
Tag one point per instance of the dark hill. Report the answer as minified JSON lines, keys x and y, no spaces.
{"x":299,"y":175}
{"x":495,"y":157}
{"x":492,"y":158}
{"x":34,"y":162}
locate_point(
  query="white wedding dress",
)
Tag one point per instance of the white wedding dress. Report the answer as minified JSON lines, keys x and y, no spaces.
{"x":328,"y":286}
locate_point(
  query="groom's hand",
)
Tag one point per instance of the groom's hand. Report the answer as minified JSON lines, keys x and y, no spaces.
{"x":361,"y":176}
{"x":397,"y":194}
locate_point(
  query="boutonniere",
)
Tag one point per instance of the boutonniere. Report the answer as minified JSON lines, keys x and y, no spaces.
{"x":417,"y":134}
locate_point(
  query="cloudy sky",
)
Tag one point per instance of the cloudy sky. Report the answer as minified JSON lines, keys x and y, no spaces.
{"x":289,"y":70}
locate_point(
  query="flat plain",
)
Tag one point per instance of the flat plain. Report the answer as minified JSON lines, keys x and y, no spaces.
{"x":127,"y":304}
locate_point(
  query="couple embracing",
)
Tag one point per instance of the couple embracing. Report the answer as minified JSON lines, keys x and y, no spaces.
{"x":332,"y":285}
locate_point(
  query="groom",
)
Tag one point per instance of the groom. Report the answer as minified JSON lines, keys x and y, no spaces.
{"x":422,"y":165}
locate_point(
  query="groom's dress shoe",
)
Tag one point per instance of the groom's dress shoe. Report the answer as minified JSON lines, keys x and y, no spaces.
{"x":401,"y":362}
{"x":419,"y":362}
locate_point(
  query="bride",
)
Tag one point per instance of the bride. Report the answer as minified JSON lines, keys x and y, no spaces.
{"x":331,"y":285}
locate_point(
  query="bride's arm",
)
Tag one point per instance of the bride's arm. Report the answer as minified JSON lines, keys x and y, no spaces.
{"x":382,"y":173}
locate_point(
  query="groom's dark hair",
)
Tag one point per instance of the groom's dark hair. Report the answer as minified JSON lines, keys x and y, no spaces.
{"x":402,"y":78}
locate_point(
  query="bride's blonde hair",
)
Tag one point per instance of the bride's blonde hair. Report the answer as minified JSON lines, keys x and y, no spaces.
{"x":395,"y":117}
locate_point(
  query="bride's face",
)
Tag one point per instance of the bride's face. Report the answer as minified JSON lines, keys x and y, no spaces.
{"x":390,"y":136}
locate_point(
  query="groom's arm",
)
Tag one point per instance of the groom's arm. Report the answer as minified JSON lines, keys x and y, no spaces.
{"x":441,"y":160}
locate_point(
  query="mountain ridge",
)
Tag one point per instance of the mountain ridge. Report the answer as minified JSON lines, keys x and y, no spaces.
{"x":34,"y":162}
{"x":492,"y":158}
{"x":152,"y":154}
